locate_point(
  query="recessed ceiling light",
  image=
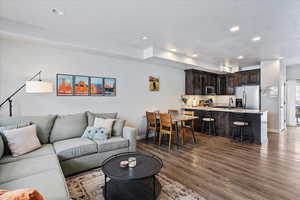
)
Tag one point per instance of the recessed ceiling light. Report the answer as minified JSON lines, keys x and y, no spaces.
{"x":194,"y":55}
{"x":257,"y":38}
{"x":240,"y":57}
{"x":57,"y":12}
{"x":234,"y":29}
{"x":145,"y":38}
{"x":173,"y":50}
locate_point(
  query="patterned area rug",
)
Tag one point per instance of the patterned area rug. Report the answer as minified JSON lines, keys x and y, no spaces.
{"x":88,"y":186}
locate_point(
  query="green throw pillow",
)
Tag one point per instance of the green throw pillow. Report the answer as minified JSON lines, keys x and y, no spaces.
{"x":95,"y":133}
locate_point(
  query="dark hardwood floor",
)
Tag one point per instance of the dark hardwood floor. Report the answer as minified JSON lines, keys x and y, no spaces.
{"x":220,"y":169}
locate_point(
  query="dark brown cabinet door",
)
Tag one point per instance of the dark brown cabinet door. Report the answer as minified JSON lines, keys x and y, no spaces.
{"x":221,"y":85}
{"x":231,"y":84}
{"x":189,"y":85}
{"x":254,"y":77}
{"x":197,"y":84}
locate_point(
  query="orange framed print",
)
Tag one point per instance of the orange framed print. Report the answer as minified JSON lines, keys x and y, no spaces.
{"x":81,"y":85}
{"x":65,"y":85}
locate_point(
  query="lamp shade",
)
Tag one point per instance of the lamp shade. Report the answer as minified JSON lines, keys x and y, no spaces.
{"x":38,"y":87}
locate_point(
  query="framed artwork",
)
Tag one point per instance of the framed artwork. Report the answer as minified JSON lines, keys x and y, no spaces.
{"x":153,"y":84}
{"x":65,"y":85}
{"x":109,"y":86}
{"x":81,"y":85}
{"x":77,"y":85}
{"x":97,"y":88}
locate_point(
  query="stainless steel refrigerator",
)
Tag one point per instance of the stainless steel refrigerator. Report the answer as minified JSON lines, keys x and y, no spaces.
{"x":250,"y":96}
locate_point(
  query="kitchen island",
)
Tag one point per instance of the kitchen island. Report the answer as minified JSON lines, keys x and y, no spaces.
{"x":257,"y":120}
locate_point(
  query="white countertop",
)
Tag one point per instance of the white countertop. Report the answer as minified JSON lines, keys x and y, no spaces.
{"x":234,"y":110}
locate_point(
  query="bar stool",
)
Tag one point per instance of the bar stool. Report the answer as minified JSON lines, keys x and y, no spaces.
{"x":239,"y":125}
{"x":210,"y":121}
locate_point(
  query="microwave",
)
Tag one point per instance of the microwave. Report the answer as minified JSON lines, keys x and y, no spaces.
{"x":210,"y":90}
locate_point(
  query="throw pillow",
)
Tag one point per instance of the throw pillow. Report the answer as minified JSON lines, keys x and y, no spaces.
{"x":44,"y":124}
{"x":91,"y":117}
{"x":22,"y":194}
{"x":104,"y":123}
{"x":19,"y":125}
{"x":22,"y":140}
{"x":118,"y":126}
{"x":95,"y":133}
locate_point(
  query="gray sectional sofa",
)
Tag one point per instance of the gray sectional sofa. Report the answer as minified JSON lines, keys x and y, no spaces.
{"x":62,"y":154}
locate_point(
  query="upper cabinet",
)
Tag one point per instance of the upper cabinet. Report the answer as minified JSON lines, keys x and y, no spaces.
{"x":196,"y":81}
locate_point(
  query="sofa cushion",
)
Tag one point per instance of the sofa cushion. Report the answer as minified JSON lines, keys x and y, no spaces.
{"x":111,"y":144}
{"x":51,"y":184}
{"x":91,"y":117}
{"x":44,"y":124}
{"x":68,"y":126}
{"x":27,"y":167}
{"x":72,"y":148}
{"x":118,"y":126}
{"x":46,"y":149}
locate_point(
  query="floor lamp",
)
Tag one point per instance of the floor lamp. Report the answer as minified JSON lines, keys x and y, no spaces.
{"x":31,"y":87}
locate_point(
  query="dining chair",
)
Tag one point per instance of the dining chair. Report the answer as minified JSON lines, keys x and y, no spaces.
{"x":188,"y":126}
{"x":152,"y":124}
{"x":173,"y":111}
{"x":166,"y":128}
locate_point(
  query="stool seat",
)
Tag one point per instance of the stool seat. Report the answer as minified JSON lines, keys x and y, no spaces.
{"x":237,"y":123}
{"x":208,"y":119}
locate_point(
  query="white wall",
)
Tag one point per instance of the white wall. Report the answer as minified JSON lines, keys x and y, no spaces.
{"x":293,"y":72}
{"x":291,"y":102}
{"x":19,"y":60}
{"x":270,"y":76}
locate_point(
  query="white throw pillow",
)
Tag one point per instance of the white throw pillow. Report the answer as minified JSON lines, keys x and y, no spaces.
{"x":22,"y":140}
{"x":104,"y":123}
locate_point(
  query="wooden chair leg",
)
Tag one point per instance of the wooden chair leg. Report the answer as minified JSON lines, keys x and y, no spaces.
{"x":193,"y":134}
{"x":147,"y":134}
{"x":182,"y":135}
{"x":159,"y":140}
{"x":170,"y":141}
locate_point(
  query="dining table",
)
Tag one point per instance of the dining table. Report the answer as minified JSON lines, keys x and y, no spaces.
{"x":178,"y":118}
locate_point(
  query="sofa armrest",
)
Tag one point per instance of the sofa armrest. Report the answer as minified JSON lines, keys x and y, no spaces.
{"x":130,"y":134}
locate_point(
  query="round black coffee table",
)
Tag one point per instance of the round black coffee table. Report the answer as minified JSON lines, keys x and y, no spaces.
{"x":127,"y":183}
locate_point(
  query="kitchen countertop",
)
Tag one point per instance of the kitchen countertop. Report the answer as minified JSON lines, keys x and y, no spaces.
{"x":233,"y":110}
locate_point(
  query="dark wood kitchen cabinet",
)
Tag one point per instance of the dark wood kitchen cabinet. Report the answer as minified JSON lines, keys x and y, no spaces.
{"x":232,"y":82}
{"x":193,"y":82}
{"x":221,"y":85}
{"x":249,"y":77}
{"x":254,"y":77}
{"x":196,"y":81}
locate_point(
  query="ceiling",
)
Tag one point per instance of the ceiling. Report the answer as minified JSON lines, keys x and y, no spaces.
{"x":190,"y":26}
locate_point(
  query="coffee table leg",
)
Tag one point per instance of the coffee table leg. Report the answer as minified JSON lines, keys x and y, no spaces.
{"x":154,"y":196}
{"x":105,"y":188}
